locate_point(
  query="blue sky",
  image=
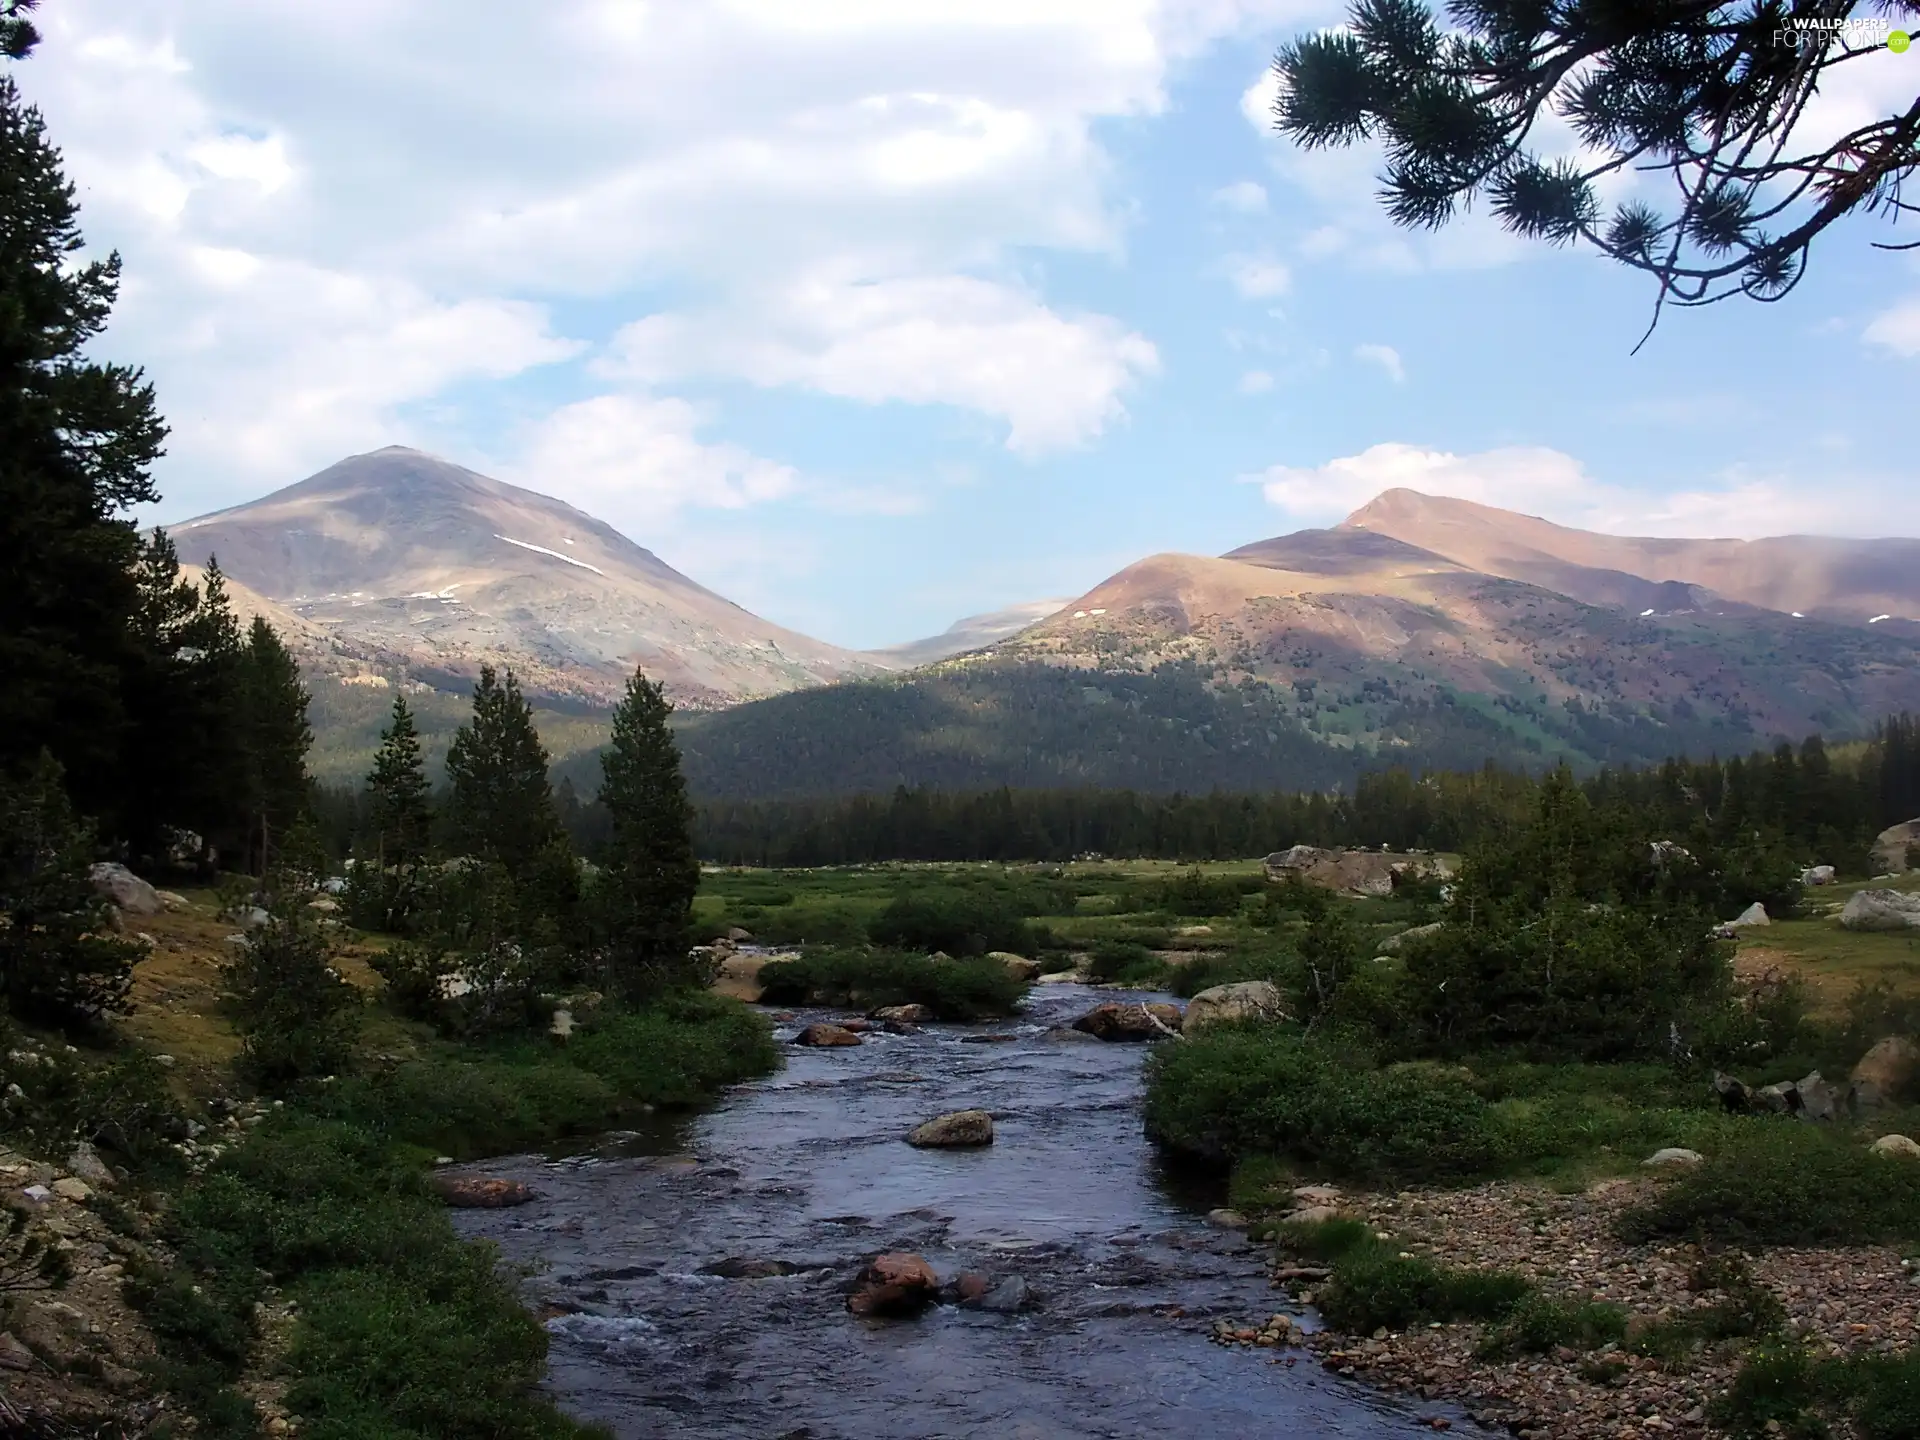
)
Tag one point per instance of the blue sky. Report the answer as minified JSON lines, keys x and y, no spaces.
{"x":870,"y":314}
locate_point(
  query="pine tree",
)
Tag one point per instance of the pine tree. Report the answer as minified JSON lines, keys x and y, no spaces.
{"x":398,"y":807}
{"x":59,"y":960}
{"x":76,"y":439}
{"x":502,"y":800}
{"x":275,"y":737}
{"x":296,"y":1015}
{"x":644,"y":895}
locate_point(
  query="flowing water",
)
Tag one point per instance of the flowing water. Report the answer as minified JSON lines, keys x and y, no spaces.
{"x":809,"y":1168}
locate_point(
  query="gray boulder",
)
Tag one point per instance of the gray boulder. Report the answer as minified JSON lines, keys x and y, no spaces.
{"x":129,"y":893}
{"x":1881,"y":910}
{"x":961,"y":1129}
{"x":1224,"y":1004}
{"x":1391,"y":945}
{"x":1755,"y":914}
{"x":1817,"y":875}
{"x":1886,"y":1072}
{"x":1008,"y":1297}
{"x":1018,"y":966}
{"x":1890,"y":846}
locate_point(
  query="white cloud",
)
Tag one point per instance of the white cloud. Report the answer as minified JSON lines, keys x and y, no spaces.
{"x":1386,"y":357}
{"x":1257,"y":277}
{"x":635,"y":461}
{"x":1055,"y":380}
{"x":700,"y":156}
{"x":1897,"y":329}
{"x":1247,"y":197}
{"x":1255,"y":382}
{"x":1536,"y":480}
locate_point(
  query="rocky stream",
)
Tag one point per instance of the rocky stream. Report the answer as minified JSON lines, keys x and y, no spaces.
{"x":694,"y":1280}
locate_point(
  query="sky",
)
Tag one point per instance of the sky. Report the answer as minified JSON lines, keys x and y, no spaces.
{"x":870,"y":314}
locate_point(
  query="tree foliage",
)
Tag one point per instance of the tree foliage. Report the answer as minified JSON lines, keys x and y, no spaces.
{"x":501,"y":800}
{"x":649,"y":874}
{"x":297,"y":1016}
{"x":275,"y":738}
{"x":59,"y":959}
{"x":1708,"y":97}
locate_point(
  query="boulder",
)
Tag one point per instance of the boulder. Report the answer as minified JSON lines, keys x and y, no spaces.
{"x":1890,"y":847}
{"x":1315,"y":1214}
{"x":901,"y":1015}
{"x":894,"y":1285}
{"x":1018,"y":966}
{"x":1886,"y":1072}
{"x":1674,"y":1158}
{"x":561,"y":1029}
{"x":1010,"y":1296}
{"x":1883,"y":910}
{"x":475,"y":1192}
{"x":1818,"y":875}
{"x":826,"y":1035}
{"x":1068,"y":1033}
{"x":1354,"y":872}
{"x":1317,"y":1195}
{"x":1664,"y":852}
{"x":738,"y":976}
{"x":971,"y":1287}
{"x":1818,"y":1098}
{"x":1116,"y":1021}
{"x":1896,"y":1146}
{"x":1735,"y":1094}
{"x":129,"y":893}
{"x":1754,"y":915}
{"x":324,"y":905}
{"x":86,"y":1163}
{"x":1227,"y":1219}
{"x":948,"y":1132}
{"x":251,"y":917}
{"x":70,"y":1188}
{"x":741,"y":1267}
{"x":1225,"y":1004}
{"x":737,"y":936}
{"x":1391,"y":945}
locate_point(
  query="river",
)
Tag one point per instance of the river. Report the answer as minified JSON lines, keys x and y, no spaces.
{"x":809,"y":1168}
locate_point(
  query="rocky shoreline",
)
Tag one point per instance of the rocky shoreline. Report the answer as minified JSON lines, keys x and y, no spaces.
{"x":1839,"y":1302}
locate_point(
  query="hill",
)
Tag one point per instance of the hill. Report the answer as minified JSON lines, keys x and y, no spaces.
{"x":975,"y":632}
{"x":399,"y":564}
{"x":1847,"y":581}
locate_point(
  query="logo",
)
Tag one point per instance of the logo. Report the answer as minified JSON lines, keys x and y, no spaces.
{"x":1898,"y":42}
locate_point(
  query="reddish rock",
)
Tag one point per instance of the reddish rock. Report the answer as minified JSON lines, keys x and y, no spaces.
{"x":826,"y":1035}
{"x":894,"y":1285}
{"x":857,"y":1027}
{"x":478,"y":1193}
{"x":1115,"y":1021}
{"x":971,"y":1287}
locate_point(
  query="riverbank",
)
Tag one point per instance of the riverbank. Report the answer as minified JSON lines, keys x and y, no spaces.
{"x":1669,"y":1360}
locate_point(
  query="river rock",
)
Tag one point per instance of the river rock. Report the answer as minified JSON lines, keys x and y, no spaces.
{"x":954,"y":1131}
{"x":1897,"y":1146}
{"x":1886,"y":1072}
{"x":129,"y":893}
{"x":1882,"y":910}
{"x":1317,"y":1195}
{"x":1010,"y":1296}
{"x":970,"y":1287}
{"x":741,"y":1267}
{"x":1116,"y":1021}
{"x":901,"y":1014}
{"x":1068,"y":1033}
{"x":1227,"y":1219}
{"x":1674,"y":1158}
{"x":1314,"y":1214}
{"x":1226,"y":1004}
{"x":474,"y":1192}
{"x":1018,"y":966}
{"x":826,"y":1035}
{"x":894,"y":1285}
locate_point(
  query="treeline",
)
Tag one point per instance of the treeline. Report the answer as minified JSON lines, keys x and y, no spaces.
{"x":1825,"y":809}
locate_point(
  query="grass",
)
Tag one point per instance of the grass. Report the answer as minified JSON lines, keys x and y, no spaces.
{"x":961,"y":990}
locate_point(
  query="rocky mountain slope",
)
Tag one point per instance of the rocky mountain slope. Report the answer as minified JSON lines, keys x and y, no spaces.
{"x":396,"y":562}
{"x":975,"y":632}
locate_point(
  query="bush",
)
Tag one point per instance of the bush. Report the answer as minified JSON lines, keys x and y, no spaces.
{"x":957,"y":924}
{"x":1237,"y":1092}
{"x":809,"y":924}
{"x":1773,"y":1395}
{"x":296,"y":1015}
{"x":1282,"y":967}
{"x":1374,"y":1286}
{"x":1781,"y":1182}
{"x":1540,"y":1324}
{"x":1117,"y":963}
{"x":960,"y":990}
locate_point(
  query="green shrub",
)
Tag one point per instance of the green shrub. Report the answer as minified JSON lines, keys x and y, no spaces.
{"x":1540,"y":1323}
{"x":1324,"y":1239}
{"x":1773,"y":1395}
{"x":1117,"y":963}
{"x":297,"y":1016}
{"x":1374,"y":1286}
{"x":958,"y":924}
{"x":1782,"y":1182}
{"x":1881,"y":1392}
{"x":1236,"y":1092}
{"x":953,"y":989}
{"x":809,"y":924}
{"x":1282,"y":967}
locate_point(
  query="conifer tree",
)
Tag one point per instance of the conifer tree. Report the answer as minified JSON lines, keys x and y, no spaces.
{"x":275,"y":737}
{"x":646,"y":887}
{"x":398,"y":807}
{"x":501,"y":800}
{"x":59,"y":960}
{"x":76,"y":439}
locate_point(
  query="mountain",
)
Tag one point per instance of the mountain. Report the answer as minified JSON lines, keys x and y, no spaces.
{"x":397,"y":562}
{"x":1849,"y":581}
{"x":975,"y":632}
{"x":1298,"y":661}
